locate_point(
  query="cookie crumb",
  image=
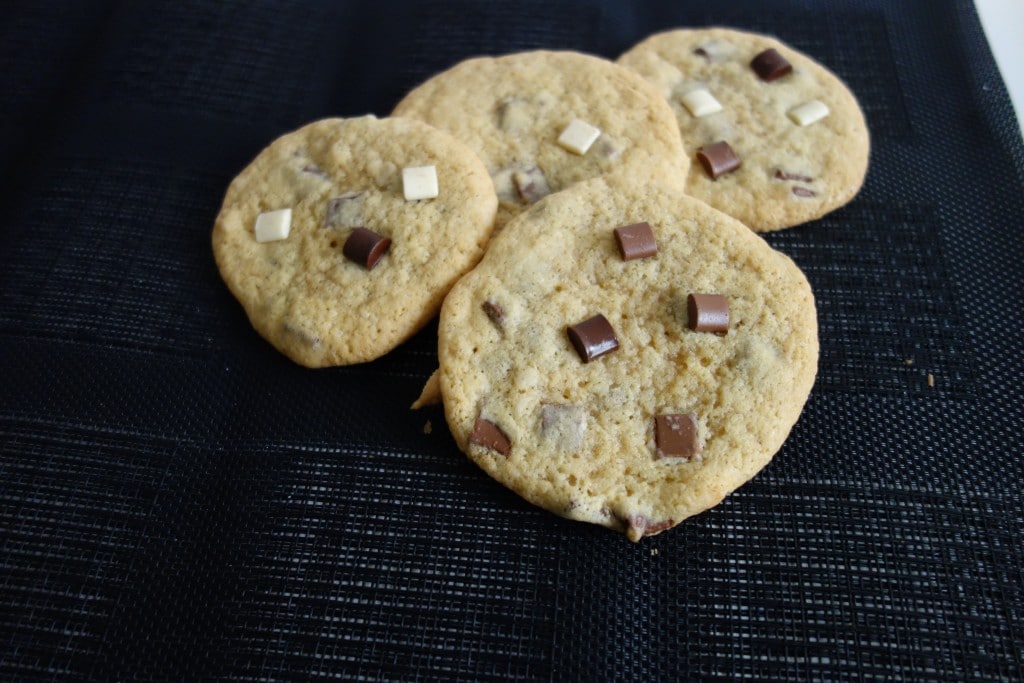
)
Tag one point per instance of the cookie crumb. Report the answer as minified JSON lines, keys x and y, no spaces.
{"x":654,"y":552}
{"x":931,"y":380}
{"x":428,"y":427}
{"x":909,"y":361}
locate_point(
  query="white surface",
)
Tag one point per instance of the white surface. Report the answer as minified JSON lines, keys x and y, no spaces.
{"x":1003,"y":21}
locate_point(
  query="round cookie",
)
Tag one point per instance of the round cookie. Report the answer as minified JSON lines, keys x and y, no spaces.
{"x":317,"y":295}
{"x":512,"y":110}
{"x":789,"y":173}
{"x":606,"y":440}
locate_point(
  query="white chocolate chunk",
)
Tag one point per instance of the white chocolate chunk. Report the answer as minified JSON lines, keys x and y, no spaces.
{"x":419,"y":182}
{"x":273,"y":225}
{"x":578,"y":136}
{"x":701,"y":102}
{"x":808,"y":112}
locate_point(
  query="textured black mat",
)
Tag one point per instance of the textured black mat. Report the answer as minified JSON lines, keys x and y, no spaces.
{"x":180,"y":502}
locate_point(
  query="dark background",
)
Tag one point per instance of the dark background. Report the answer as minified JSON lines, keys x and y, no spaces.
{"x":179,"y":501}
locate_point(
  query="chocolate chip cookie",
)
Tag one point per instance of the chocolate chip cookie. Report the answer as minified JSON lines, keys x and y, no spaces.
{"x":626,"y":355}
{"x":341,"y":239}
{"x":544,"y":120}
{"x":776,"y":139}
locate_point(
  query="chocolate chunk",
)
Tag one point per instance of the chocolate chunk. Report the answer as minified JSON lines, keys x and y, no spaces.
{"x":365,"y":247}
{"x":636,"y":241}
{"x":489,"y":435}
{"x":707,"y":312}
{"x":675,"y":435}
{"x":786,"y":175}
{"x":494,"y":312}
{"x":592,"y":338}
{"x":804,"y":192}
{"x":718,"y":158}
{"x":770,"y":65}
{"x":531,"y":184}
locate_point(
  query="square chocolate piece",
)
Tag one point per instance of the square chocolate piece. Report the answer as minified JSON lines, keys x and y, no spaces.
{"x":675,"y":435}
{"x":636,"y":241}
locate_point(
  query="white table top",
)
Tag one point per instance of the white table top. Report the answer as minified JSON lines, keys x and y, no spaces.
{"x":1003,"y":21}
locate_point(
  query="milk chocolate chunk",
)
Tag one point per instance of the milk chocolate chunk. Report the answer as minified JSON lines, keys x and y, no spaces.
{"x":780,"y":174}
{"x":365,"y":247}
{"x":494,"y":312}
{"x":718,"y":158}
{"x":675,"y":435}
{"x":770,"y":65}
{"x":636,"y":241}
{"x":489,"y":435}
{"x":707,"y":312}
{"x":592,"y":338}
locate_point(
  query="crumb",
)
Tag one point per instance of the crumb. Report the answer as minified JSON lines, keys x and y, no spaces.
{"x":909,"y":361}
{"x":428,"y":428}
{"x":931,"y":380}
{"x":654,"y":552}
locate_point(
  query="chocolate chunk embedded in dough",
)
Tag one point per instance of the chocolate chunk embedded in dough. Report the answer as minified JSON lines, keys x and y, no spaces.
{"x":675,"y":435}
{"x":718,"y":158}
{"x":770,"y":65}
{"x":636,"y":241}
{"x":707,"y":312}
{"x":592,"y":338}
{"x":489,"y":435}
{"x":365,"y":247}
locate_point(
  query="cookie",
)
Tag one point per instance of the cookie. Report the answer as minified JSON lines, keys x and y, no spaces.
{"x":626,"y":355}
{"x":341,"y":239}
{"x":776,"y":138}
{"x":544,"y":120}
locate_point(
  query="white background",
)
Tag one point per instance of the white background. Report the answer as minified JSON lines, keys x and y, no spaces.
{"x":1003,"y":21}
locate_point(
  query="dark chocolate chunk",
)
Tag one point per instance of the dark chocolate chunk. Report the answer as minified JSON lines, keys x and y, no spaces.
{"x":593,"y":338}
{"x":786,"y":175}
{"x":770,"y":65}
{"x":494,"y":312}
{"x":489,"y":435}
{"x":707,"y":312}
{"x":718,"y":158}
{"x":804,"y":192}
{"x":675,"y":435}
{"x":636,"y":241}
{"x":365,"y":247}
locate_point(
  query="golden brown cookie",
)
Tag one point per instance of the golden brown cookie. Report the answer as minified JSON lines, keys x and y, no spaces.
{"x":776,"y":139}
{"x":544,"y":120}
{"x":342,"y":238}
{"x":626,"y":355}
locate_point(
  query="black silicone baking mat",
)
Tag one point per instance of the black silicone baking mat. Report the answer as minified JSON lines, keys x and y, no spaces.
{"x":178,"y":501}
